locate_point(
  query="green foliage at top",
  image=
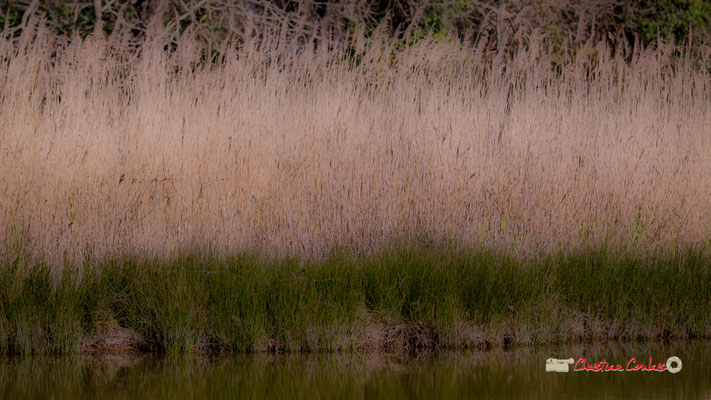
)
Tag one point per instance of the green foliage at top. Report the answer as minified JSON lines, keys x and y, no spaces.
{"x":10,"y":19}
{"x":646,"y":19}
{"x":672,"y":19}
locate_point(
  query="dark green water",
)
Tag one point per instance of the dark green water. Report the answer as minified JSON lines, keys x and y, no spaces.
{"x":519,"y":373}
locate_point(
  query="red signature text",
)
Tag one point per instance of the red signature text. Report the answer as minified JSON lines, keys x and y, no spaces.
{"x":632,"y":365}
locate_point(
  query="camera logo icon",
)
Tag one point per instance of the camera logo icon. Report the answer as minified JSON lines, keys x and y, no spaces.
{"x":556,"y":365}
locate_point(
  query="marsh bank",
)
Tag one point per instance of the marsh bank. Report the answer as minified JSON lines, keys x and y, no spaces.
{"x":402,"y":300}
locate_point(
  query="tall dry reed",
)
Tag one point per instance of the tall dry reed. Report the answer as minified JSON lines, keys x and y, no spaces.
{"x":295,"y":150}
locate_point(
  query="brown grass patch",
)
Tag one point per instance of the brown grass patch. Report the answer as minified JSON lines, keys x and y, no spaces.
{"x":109,"y":337}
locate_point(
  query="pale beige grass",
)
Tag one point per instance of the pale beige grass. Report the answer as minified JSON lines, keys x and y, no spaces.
{"x":145,"y":156}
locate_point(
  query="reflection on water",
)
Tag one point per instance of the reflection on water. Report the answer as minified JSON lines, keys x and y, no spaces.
{"x":519,"y":373}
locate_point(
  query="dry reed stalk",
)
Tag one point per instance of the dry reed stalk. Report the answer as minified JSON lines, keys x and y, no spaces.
{"x":106,"y":152}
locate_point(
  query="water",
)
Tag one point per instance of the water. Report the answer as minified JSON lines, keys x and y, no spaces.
{"x":518,"y":373}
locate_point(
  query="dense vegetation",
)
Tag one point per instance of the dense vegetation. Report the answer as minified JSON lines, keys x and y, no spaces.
{"x":404,"y":300}
{"x":561,"y":23}
{"x":286,"y":148}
